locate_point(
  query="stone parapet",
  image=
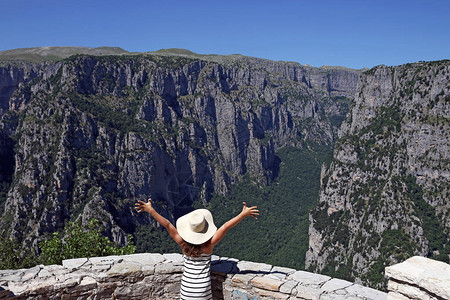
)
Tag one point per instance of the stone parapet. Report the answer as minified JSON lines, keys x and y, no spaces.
{"x":158,"y":276}
{"x":419,"y":278}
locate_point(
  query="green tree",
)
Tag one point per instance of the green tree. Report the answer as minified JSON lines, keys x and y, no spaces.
{"x":77,"y":241}
{"x":11,"y":256}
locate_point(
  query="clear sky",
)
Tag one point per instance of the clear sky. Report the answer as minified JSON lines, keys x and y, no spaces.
{"x":354,"y":34}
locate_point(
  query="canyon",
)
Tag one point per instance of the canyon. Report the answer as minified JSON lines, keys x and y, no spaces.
{"x":86,"y":134}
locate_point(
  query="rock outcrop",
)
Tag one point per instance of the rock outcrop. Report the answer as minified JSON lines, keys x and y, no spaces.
{"x":419,"y":278}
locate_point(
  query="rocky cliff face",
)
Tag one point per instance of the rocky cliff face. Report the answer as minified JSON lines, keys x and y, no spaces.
{"x":385,"y":196}
{"x":88,"y":136}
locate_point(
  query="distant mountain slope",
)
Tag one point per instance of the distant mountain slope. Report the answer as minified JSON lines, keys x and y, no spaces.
{"x":40,"y":54}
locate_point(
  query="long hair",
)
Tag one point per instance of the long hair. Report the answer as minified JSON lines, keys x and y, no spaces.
{"x":193,"y":250}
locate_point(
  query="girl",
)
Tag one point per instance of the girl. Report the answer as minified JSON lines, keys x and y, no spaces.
{"x":197,"y":235}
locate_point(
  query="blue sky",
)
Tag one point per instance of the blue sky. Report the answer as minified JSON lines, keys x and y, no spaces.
{"x":354,"y":34}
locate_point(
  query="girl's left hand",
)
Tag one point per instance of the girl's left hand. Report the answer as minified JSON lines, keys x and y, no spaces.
{"x":250,"y":211}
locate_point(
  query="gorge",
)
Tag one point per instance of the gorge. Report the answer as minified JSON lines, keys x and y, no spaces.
{"x":84,"y":134}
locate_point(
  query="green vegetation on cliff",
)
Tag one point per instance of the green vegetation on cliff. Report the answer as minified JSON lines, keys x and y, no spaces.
{"x":280,"y":235}
{"x":432,"y":229}
{"x":11,"y":256}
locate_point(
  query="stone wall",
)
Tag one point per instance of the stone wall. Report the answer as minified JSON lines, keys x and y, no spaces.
{"x":158,"y":276}
{"x":419,"y":278}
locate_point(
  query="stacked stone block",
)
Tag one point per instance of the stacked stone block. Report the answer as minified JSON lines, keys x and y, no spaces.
{"x":158,"y":276}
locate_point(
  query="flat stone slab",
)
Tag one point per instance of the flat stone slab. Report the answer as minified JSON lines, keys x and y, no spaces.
{"x":168,"y":268}
{"x":431,"y":275}
{"x":17,"y":287}
{"x":74,"y":263}
{"x":148,"y":270}
{"x":32,"y":273}
{"x":12,"y":277}
{"x":307,"y":278}
{"x":412,"y":291}
{"x":145,"y":258}
{"x":55,"y":269}
{"x":365,"y":292}
{"x":44,"y":273}
{"x":281,"y":272}
{"x":252,"y":267}
{"x":106,"y":260}
{"x":307,"y":292}
{"x":68,"y":283}
{"x":8,"y":272}
{"x":242,"y":278}
{"x":175,"y":257}
{"x":333,"y":285}
{"x":124,"y":268}
{"x":271,"y":294}
{"x":288,"y":286}
{"x":267,"y":283}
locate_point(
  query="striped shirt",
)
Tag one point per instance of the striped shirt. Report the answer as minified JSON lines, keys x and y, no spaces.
{"x":196,"y":280}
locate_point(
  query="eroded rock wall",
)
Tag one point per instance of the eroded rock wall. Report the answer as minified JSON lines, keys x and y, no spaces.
{"x":384,"y":197}
{"x":88,"y":136}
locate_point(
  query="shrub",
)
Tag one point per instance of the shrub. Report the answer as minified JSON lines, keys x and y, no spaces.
{"x":80,"y":242}
{"x":11,"y":256}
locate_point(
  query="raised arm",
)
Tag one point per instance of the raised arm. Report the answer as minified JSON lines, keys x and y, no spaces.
{"x":246,"y":212}
{"x":147,"y":207}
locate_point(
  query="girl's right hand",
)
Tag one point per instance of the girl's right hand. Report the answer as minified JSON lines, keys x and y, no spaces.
{"x":250,"y":211}
{"x":143,"y":206}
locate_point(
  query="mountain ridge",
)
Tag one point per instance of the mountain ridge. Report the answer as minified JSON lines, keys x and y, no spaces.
{"x":53,"y":53}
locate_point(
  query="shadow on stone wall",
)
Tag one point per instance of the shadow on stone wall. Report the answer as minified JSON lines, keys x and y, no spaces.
{"x":234,"y":279}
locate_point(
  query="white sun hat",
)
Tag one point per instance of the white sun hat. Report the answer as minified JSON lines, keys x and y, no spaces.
{"x":196,"y":227}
